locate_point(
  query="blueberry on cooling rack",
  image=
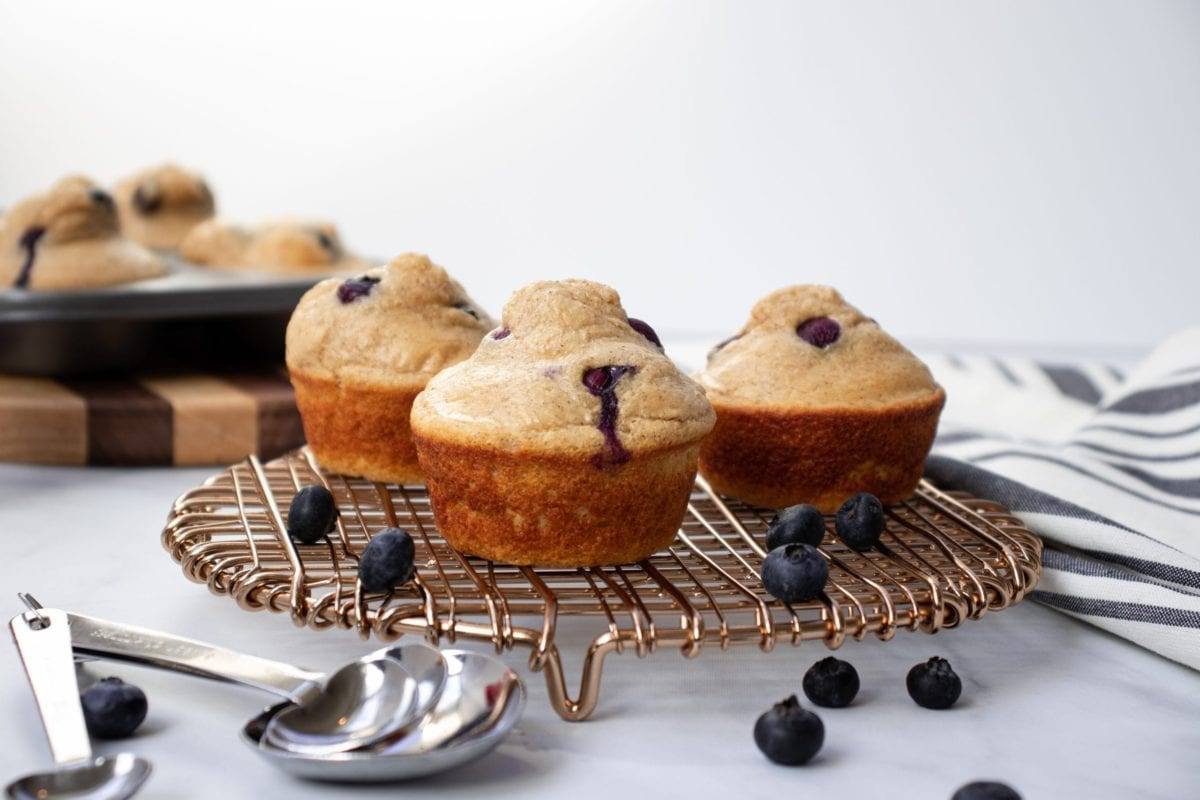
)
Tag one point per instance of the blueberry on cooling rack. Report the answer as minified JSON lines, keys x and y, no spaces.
{"x":387,"y":562}
{"x":831,"y":683}
{"x":933,"y":684}
{"x":794,"y":573}
{"x":859,"y":521}
{"x":112,"y":708}
{"x":789,"y":734}
{"x":802,"y":524}
{"x":986,"y":790}
{"x":311,"y":514}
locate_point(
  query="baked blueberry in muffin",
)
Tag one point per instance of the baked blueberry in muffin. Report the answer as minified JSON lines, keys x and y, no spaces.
{"x":360,"y":349}
{"x":283,"y":246}
{"x":816,"y":403}
{"x":159,"y":206}
{"x":68,"y":238}
{"x":567,"y":439}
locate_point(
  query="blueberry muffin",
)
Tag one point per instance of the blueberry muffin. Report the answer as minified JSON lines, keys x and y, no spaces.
{"x":68,"y":238}
{"x":359,"y":350}
{"x":815,"y":403}
{"x":568,"y":438}
{"x":284,"y":246}
{"x":158,"y":207}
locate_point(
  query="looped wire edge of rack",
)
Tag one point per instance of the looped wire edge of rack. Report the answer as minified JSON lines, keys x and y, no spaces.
{"x":944,"y":558}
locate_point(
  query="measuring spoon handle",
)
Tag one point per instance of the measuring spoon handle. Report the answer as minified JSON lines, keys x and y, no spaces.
{"x":119,"y":642}
{"x":43,"y":640}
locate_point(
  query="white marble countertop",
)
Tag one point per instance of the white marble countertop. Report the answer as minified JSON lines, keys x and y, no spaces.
{"x":1050,"y":705}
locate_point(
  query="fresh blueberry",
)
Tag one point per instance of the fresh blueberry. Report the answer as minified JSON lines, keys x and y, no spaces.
{"x":788,"y":734}
{"x":859,"y":521}
{"x":794,"y":573}
{"x":147,"y":199}
{"x":933,"y":684}
{"x":355,"y":288}
{"x":819,"y":331}
{"x":647,"y":331}
{"x":112,"y":708}
{"x":802,"y":523}
{"x":102,"y":199}
{"x":986,"y":790}
{"x":500,"y":333}
{"x":831,"y":682}
{"x":311,"y":514}
{"x":387,"y":562}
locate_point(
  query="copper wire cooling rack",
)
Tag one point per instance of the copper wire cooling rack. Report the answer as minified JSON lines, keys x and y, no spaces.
{"x":944,"y":558}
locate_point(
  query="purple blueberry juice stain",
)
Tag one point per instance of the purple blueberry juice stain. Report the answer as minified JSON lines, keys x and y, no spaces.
{"x":819,"y":331}
{"x":500,"y":333}
{"x":602,"y":382}
{"x":647,"y":331}
{"x":552,"y":372}
{"x":28,"y":243}
{"x":355,"y":288}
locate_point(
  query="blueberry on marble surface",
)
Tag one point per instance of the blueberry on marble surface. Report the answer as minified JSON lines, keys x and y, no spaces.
{"x":859,"y":521}
{"x":802,"y":524}
{"x":819,"y":331}
{"x":986,"y":790}
{"x":388,"y":561}
{"x":933,"y":684}
{"x":645,"y":330}
{"x":355,"y":288}
{"x":311,"y":514}
{"x":794,"y":573}
{"x":789,"y":734}
{"x":112,"y":708}
{"x":831,"y":683}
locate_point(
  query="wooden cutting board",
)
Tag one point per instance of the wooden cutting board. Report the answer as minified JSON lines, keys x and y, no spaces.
{"x":153,"y":419}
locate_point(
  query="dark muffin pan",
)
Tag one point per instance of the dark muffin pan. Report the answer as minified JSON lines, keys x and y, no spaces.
{"x":190,"y":317}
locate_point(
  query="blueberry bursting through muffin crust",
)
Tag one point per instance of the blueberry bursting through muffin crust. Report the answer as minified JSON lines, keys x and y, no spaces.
{"x":28,"y":243}
{"x":816,"y":403}
{"x":567,"y":439}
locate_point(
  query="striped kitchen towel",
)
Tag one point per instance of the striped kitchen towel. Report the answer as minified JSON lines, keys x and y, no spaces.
{"x":1106,"y":467}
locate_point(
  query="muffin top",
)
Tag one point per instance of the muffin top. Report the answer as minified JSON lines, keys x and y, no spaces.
{"x":806,"y":347}
{"x":284,"y":246}
{"x":567,"y":373}
{"x":159,"y":206}
{"x":67,"y":238}
{"x":392,"y":326}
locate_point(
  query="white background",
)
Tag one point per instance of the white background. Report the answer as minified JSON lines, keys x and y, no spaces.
{"x":980,"y":174}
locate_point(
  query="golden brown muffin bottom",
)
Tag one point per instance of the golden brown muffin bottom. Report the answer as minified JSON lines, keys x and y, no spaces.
{"x":781,"y":458}
{"x":359,"y":430}
{"x":558,"y":511}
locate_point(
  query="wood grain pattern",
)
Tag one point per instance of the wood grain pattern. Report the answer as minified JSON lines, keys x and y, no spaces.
{"x":181,"y":419}
{"x":41,"y":421}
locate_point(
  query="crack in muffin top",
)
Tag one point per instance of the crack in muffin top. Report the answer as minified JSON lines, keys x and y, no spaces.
{"x":67,"y":237}
{"x":392,"y":326}
{"x":527,"y":390}
{"x":806,"y":347}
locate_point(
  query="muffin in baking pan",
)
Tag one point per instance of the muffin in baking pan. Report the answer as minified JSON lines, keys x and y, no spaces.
{"x":159,"y":206}
{"x":288,"y":246}
{"x":359,"y":351}
{"x":567,"y":439}
{"x":68,"y":238}
{"x":814,"y":403}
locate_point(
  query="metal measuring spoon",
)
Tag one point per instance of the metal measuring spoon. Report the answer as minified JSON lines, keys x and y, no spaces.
{"x":43,"y":640}
{"x":480,"y":705}
{"x":364,"y":702}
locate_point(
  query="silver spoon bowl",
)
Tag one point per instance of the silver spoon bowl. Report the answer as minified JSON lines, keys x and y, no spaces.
{"x":481,"y":703}
{"x":371,"y":700}
{"x":103,"y":778}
